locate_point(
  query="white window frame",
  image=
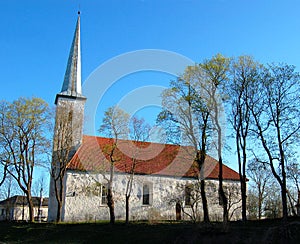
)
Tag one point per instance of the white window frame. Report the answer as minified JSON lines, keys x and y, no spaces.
{"x":104,"y":188}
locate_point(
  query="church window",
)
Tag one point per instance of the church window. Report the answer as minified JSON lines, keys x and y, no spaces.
{"x":188,"y":195}
{"x":146,"y":194}
{"x":104,"y":194}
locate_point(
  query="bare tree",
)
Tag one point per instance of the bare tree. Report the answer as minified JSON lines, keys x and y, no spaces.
{"x":275,"y":110}
{"x":234,"y":199}
{"x":189,"y":198}
{"x":39,"y":184}
{"x":115,"y":125}
{"x":23,"y":138}
{"x":8,"y":189}
{"x":241,"y":87}
{"x":38,"y":190}
{"x":293,"y":174}
{"x":259,"y":174}
{"x":4,"y":156}
{"x":67,"y":127}
{"x":139,"y":133}
{"x":273,"y":201}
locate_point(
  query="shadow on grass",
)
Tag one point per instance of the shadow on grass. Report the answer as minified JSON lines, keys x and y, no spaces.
{"x":144,"y":232}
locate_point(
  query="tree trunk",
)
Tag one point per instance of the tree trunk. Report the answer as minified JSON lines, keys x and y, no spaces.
{"x":242,"y":170}
{"x":259,"y":204}
{"x":244,"y":199}
{"x":298,"y":204}
{"x":59,"y":189}
{"x":204,"y":202}
{"x":201,"y":160}
{"x":283,"y":175}
{"x":243,"y":182}
{"x":243,"y":187}
{"x":58,"y":213}
{"x":30,"y":207}
{"x":291,"y":203}
{"x":284,"y":205}
{"x":202,"y":187}
{"x":283,"y":195}
{"x":223,"y":198}
{"x":111,"y":206}
{"x":127,"y":209}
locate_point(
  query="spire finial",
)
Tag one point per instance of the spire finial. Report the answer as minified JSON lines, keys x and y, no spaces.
{"x":78,"y":12}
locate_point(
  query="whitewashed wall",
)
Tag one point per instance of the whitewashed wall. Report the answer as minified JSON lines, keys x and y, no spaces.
{"x":83,"y":197}
{"x":20,"y":213}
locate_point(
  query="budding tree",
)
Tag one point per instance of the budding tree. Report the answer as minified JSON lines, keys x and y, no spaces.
{"x":24,"y":129}
{"x":186,"y":111}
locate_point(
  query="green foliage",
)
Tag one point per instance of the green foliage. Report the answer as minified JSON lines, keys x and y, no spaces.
{"x":24,"y":139}
{"x":217,"y":69}
{"x":24,"y":131}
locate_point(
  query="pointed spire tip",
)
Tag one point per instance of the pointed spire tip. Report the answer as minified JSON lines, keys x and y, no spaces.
{"x":78,"y":12}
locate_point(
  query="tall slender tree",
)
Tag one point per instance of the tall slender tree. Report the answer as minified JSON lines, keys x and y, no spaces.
{"x":115,"y":125}
{"x":216,"y":77}
{"x":185,"y":111}
{"x":259,"y":174}
{"x":244,"y":76}
{"x":139,"y":133}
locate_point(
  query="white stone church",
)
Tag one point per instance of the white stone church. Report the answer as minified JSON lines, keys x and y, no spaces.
{"x":165,"y":176}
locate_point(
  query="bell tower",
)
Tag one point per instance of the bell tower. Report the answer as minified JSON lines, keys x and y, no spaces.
{"x":70,"y":102}
{"x":68,"y":129}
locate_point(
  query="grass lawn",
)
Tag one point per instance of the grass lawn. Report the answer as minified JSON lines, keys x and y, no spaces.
{"x":269,"y":231}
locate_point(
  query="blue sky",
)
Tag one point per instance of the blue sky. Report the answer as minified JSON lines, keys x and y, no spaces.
{"x":36,"y":37}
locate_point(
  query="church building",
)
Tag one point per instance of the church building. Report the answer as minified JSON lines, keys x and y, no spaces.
{"x":165,"y":184}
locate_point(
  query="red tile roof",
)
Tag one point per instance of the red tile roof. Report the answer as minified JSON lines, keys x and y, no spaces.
{"x":152,"y":158}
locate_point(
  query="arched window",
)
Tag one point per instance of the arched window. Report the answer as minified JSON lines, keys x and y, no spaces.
{"x":146,"y":194}
{"x":104,"y":194}
{"x":188,"y":195}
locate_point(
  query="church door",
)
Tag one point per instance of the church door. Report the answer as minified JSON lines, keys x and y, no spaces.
{"x":178,"y":211}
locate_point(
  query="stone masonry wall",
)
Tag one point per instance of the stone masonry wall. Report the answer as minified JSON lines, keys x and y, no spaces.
{"x":83,"y":197}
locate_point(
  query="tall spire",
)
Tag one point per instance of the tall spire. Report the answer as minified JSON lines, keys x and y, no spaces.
{"x":72,"y":80}
{"x":69,"y":122}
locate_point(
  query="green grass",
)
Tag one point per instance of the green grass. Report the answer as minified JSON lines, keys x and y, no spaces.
{"x":142,"y":232}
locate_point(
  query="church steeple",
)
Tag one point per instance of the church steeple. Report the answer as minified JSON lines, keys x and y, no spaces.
{"x":72,"y":81}
{"x":70,"y":102}
{"x":69,"y":122}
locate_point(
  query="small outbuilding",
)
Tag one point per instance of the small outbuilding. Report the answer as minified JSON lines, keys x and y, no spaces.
{"x":16,"y":208}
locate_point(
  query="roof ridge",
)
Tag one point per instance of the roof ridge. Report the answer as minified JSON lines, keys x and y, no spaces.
{"x":150,"y":142}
